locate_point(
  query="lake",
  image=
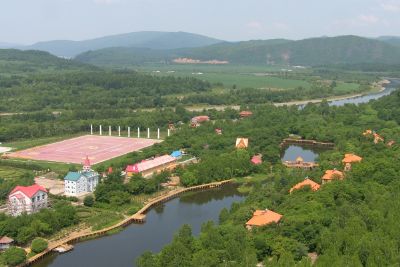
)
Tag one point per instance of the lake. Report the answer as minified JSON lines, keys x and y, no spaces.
{"x":291,"y":152}
{"x":162,"y":222}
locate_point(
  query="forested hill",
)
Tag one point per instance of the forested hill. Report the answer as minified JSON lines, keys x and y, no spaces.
{"x":393,"y":40}
{"x":308,"y":52}
{"x":146,"y":39}
{"x":13,"y":61}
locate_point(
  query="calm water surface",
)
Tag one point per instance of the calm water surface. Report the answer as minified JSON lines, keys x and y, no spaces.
{"x":162,"y":222}
{"x":291,"y":152}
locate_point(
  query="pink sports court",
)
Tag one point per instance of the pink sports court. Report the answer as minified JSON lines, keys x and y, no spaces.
{"x":75,"y":150}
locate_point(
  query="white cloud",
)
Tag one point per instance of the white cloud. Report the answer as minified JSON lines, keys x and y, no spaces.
{"x":361,"y":20}
{"x":368,"y":19}
{"x":255,"y":25}
{"x":280,"y":26}
{"x":391,"y":7}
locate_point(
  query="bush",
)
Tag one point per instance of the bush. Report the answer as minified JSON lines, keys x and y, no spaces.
{"x":38,"y":245}
{"x":14,"y":256}
{"x":88,"y":201}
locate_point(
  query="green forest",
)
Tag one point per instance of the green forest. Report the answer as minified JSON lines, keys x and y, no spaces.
{"x":346,"y":223}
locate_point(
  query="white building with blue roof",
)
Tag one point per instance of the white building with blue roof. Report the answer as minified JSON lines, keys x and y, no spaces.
{"x":81,"y":182}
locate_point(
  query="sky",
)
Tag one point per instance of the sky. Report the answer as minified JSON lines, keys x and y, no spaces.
{"x":30,"y":21}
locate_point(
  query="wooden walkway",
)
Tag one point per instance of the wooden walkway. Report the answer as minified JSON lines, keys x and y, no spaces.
{"x":300,"y":165}
{"x":290,"y":141}
{"x":138,"y":217}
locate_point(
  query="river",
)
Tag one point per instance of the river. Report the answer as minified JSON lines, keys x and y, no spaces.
{"x":162,"y":222}
{"x":392,"y":86}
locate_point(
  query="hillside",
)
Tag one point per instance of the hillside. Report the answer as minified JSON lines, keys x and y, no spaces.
{"x":308,"y":52}
{"x":393,"y":40}
{"x":13,"y":61}
{"x":147,"y":39}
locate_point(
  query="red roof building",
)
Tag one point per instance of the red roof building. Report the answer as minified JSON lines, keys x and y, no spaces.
{"x":200,"y":119}
{"x":256,"y":159}
{"x":245,"y":114}
{"x":28,"y":191}
{"x":27,"y":199}
{"x":150,"y":166}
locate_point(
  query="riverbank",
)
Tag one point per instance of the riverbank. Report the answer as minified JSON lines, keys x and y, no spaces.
{"x":138,"y":217}
{"x":377,"y":87}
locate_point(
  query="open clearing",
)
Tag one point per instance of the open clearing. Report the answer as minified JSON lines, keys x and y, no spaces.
{"x":97,"y":148}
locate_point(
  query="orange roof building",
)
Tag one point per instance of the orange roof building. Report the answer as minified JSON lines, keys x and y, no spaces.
{"x":263,"y":217}
{"x":307,"y":182}
{"x":391,"y":143}
{"x":242,"y":143}
{"x":378,"y":138}
{"x":367,"y":132}
{"x":351,"y":158}
{"x":332,"y":175}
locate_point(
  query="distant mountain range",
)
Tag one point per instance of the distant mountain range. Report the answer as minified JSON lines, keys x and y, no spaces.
{"x":307,"y":52}
{"x":163,"y":47}
{"x":145,"y":39}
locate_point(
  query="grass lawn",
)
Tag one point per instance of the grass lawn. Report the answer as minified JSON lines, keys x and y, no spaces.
{"x":345,"y":88}
{"x":8,"y":172}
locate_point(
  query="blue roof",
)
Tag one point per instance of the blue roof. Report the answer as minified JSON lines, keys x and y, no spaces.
{"x":72,"y":176}
{"x":176,"y":154}
{"x":89,"y":174}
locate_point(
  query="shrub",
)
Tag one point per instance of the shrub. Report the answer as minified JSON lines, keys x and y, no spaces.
{"x":88,"y":201}
{"x":38,"y":245}
{"x":14,"y":256}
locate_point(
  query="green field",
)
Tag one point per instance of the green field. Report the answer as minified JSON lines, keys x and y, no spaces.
{"x":7,"y":172}
{"x":238,"y":76}
{"x":225,"y":77}
{"x":345,"y":88}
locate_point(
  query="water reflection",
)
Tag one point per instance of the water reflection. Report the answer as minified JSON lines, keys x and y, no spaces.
{"x":162,"y":222}
{"x":292,"y":152}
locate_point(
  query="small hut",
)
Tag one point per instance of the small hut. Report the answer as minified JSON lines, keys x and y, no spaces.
{"x":307,"y":182}
{"x":5,"y":242}
{"x":242,"y":143}
{"x":263,"y":217}
{"x":331,"y":175}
